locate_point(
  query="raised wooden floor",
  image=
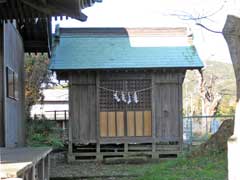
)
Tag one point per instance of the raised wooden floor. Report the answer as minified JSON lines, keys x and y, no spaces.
{"x":100,"y":152}
{"x":25,"y":163}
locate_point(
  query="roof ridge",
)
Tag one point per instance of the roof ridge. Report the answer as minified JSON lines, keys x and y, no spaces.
{"x":148,"y":31}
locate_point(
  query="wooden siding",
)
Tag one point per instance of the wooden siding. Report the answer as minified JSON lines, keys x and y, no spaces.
{"x":14,"y":108}
{"x":83,"y":107}
{"x":168,"y":105}
{"x":1,"y":89}
{"x":91,"y":124}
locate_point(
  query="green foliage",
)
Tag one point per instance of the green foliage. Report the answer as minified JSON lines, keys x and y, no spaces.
{"x":212,"y":166}
{"x":227,"y":106}
{"x":36,"y":74}
{"x":225,"y":85}
{"x":43,"y":133}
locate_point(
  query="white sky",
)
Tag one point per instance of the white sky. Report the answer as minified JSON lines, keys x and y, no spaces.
{"x":156,"y":13}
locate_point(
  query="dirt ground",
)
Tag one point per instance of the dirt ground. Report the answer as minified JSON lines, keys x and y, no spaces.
{"x":61,"y":170}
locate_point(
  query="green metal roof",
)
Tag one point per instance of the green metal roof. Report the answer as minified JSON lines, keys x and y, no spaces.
{"x":75,"y":51}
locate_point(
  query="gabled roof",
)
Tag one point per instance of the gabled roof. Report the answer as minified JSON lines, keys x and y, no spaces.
{"x":119,"y":48}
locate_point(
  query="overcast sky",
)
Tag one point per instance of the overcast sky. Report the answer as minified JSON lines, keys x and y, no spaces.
{"x":157,"y":13}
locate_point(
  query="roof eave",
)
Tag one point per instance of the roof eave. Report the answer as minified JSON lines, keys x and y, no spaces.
{"x":138,"y":68}
{"x":27,"y":12}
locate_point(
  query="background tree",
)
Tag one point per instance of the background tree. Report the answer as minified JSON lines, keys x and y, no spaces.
{"x":209,"y":94}
{"x":37,"y":76}
{"x":211,"y":91}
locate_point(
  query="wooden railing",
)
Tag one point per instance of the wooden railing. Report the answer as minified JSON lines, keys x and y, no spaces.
{"x":61,"y":118}
{"x":57,"y":115}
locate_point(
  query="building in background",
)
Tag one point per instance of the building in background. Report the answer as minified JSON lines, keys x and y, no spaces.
{"x":125,"y":89}
{"x":54,"y":107}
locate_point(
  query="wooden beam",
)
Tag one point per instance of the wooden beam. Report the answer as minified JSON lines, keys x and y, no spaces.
{"x":3,"y":13}
{"x":20,"y":11}
{"x":7,"y":13}
{"x":12,"y":6}
{"x":38,"y":46}
{"x":52,"y":10}
{"x":38,"y":7}
{"x":35,"y":44}
{"x":44,"y":2}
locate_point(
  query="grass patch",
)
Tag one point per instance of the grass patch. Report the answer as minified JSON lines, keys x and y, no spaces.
{"x":43,"y":133}
{"x":211,"y":166}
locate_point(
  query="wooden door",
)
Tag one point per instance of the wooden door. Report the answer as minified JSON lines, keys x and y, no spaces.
{"x":120,"y":119}
{"x":167,"y":112}
{"x":128,"y":123}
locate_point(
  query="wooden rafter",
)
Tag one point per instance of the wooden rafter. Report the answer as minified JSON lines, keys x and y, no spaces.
{"x":44,"y":2}
{"x":39,"y":7}
{"x":15,"y":9}
{"x":33,"y":18}
{"x":53,"y":10}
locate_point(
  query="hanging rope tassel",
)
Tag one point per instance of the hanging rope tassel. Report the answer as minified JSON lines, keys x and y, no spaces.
{"x":115,"y":96}
{"x":129,"y":98}
{"x":123,"y":97}
{"x":135,"y":97}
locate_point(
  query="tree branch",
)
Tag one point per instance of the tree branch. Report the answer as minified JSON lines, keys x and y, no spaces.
{"x":208,"y":29}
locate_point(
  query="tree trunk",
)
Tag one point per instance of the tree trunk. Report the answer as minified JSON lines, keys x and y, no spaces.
{"x":231,"y":33}
{"x":210,"y":100}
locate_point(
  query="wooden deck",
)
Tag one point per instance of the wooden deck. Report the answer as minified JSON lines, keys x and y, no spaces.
{"x":25,"y":163}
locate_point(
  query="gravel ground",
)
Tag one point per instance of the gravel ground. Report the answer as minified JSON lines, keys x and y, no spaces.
{"x":61,"y":170}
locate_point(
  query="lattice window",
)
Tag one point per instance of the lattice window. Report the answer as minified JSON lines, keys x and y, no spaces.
{"x":107,"y":103}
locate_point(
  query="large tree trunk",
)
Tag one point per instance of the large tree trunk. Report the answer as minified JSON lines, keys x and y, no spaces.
{"x":231,"y":33}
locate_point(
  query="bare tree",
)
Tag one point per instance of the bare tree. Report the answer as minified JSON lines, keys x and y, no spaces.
{"x":231,"y":33}
{"x":210,"y":97}
{"x":200,"y":17}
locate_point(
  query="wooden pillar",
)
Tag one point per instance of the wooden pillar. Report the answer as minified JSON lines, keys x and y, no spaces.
{"x":33,"y":173}
{"x":70,"y":144}
{"x":64,"y":121}
{"x":231,"y":33}
{"x":40,"y":169}
{"x":181,"y":77}
{"x":155,"y":155}
{"x":47,"y":167}
{"x":99,"y":155}
{"x":125,"y":149}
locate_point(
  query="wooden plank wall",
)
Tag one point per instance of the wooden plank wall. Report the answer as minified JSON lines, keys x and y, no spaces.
{"x":83,"y":107}
{"x":14,"y":108}
{"x":164,"y":123}
{"x":1,"y":89}
{"x":168,"y":105}
{"x":137,"y":123}
{"x":112,"y":124}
